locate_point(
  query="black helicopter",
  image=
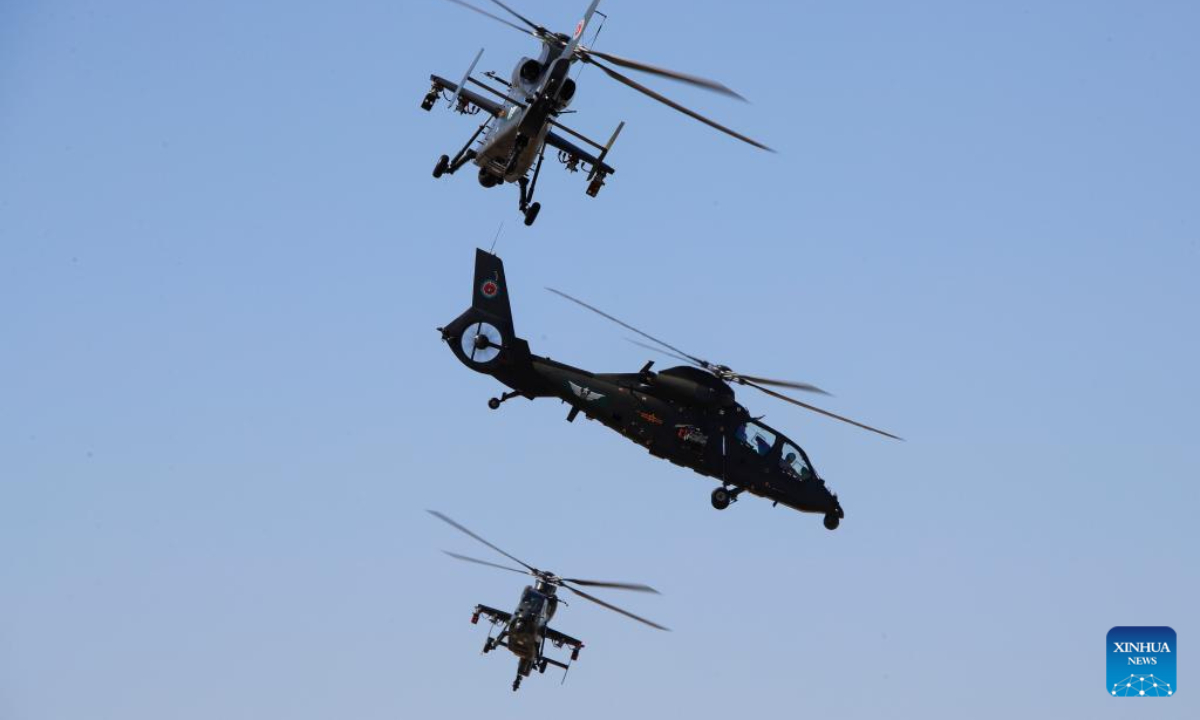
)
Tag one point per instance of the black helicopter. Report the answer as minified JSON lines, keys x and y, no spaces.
{"x":526,"y":630}
{"x":519,"y":120}
{"x":685,"y":414}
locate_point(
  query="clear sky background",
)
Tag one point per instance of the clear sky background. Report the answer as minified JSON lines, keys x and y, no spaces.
{"x":224,"y":406}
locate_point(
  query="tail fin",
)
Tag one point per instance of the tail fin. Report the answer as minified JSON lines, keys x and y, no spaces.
{"x":482,"y":337}
{"x":569,"y":52}
{"x":490,"y":294}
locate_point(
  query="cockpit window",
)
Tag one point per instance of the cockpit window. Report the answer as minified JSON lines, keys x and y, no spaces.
{"x":532,"y":601}
{"x":793,"y":463}
{"x":756,"y":437}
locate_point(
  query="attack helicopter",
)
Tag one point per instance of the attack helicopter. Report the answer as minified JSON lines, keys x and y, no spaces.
{"x":526,"y":630}
{"x":522,"y":115}
{"x":685,"y":414}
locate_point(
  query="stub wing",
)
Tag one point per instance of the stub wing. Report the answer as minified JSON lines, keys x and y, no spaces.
{"x":559,"y":639}
{"x":553,"y":139}
{"x":494,"y":615}
{"x":492,"y":107}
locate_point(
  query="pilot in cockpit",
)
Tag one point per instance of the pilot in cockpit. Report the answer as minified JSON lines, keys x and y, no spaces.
{"x":761,"y":445}
{"x":789,"y":465}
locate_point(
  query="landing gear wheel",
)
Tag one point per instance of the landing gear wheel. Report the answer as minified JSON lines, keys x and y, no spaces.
{"x":494,"y":403}
{"x":832,"y":522}
{"x":542,"y":667}
{"x":532,"y":213}
{"x":443,"y":164}
{"x":487,"y":646}
{"x":720,"y":498}
{"x":516,"y":684}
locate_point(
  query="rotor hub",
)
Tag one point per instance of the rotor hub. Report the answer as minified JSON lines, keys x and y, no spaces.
{"x":547,"y":583}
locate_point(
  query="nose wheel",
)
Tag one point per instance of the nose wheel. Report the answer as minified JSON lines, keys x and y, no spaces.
{"x":832,"y":521}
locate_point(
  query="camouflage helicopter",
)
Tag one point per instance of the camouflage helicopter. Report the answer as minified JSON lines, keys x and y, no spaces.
{"x":685,"y":414}
{"x":522,"y":116}
{"x":526,"y":630}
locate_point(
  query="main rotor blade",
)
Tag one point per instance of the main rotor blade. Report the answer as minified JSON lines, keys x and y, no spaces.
{"x":672,"y":104}
{"x":783,"y":383}
{"x":520,"y":17}
{"x":823,"y":412}
{"x":627,"y":326}
{"x":664,"y":72}
{"x":462,"y":529}
{"x":497,"y":18}
{"x":456,"y":556}
{"x":615,"y":585}
{"x":660,"y":351}
{"x":614,"y":608}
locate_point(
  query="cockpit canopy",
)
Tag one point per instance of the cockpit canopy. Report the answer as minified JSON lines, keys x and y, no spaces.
{"x":770,"y":446}
{"x":758,"y":438}
{"x":531,"y":601}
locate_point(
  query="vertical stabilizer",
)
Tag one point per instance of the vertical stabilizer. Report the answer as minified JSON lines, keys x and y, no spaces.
{"x":490,"y":292}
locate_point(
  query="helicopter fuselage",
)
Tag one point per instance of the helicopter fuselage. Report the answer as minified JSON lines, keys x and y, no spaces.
{"x":526,"y":630}
{"x":495,"y":156}
{"x":687,"y":417}
{"x":538,"y":90}
{"x":681,"y":414}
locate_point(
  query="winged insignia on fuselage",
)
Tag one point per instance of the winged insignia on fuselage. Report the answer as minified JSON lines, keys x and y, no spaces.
{"x":585,"y":393}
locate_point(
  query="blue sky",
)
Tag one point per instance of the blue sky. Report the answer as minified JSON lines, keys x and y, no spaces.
{"x":222,"y":260}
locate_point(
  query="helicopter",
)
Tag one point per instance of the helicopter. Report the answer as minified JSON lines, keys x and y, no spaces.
{"x":522,"y":117}
{"x":685,"y":414}
{"x":526,"y":630}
